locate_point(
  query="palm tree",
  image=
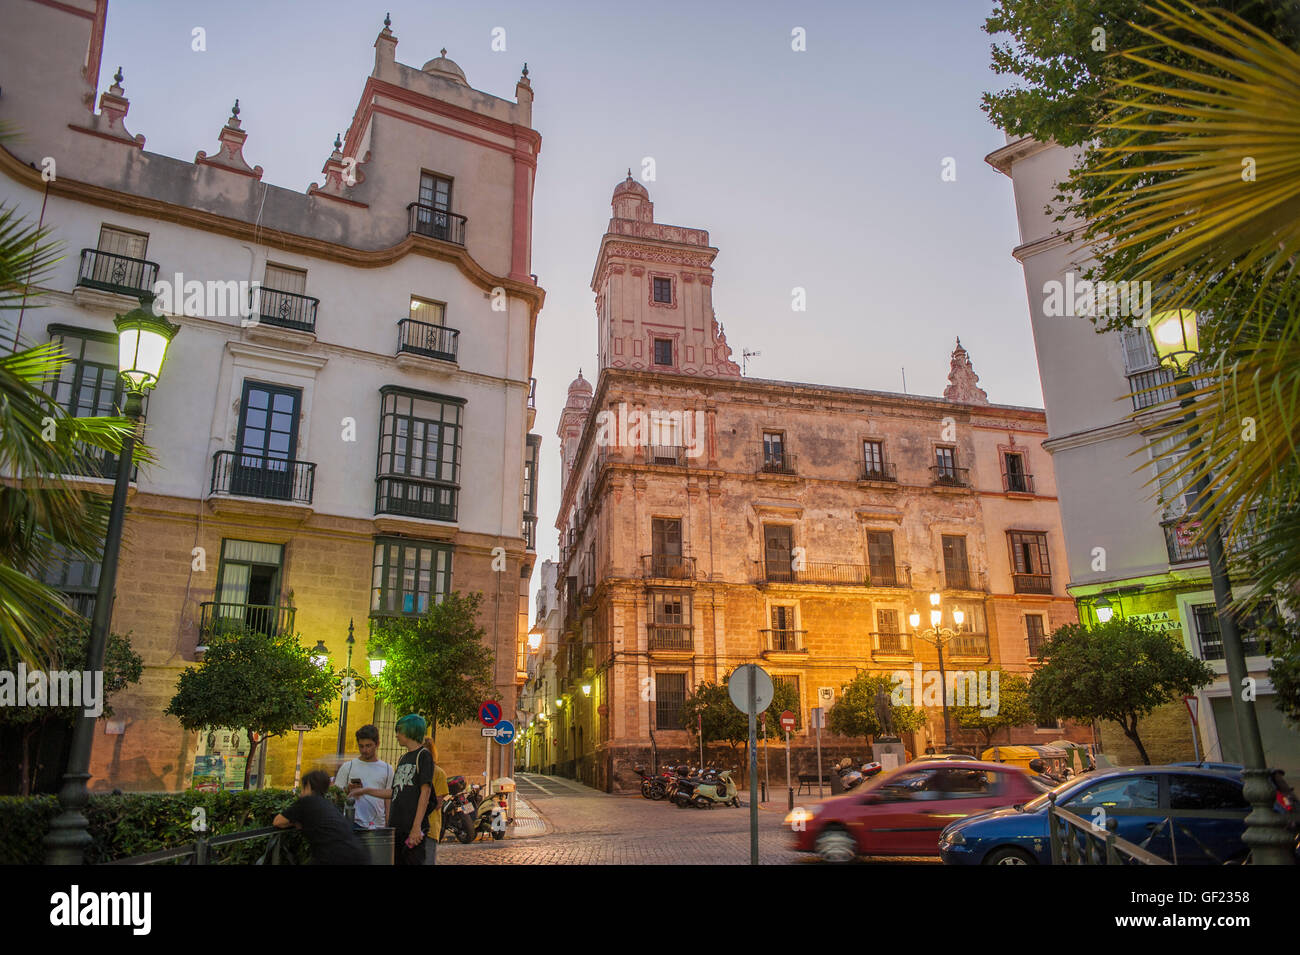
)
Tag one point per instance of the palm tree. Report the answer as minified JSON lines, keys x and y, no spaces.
{"x":1201,"y":164}
{"x":43,"y":512}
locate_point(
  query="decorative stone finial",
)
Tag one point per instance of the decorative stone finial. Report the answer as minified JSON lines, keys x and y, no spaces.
{"x":117,"y":77}
{"x":963,"y":383}
{"x":230,"y":154}
{"x":525,"y":69}
{"x":338,"y":141}
{"x":234,"y":110}
{"x":388,"y":20}
{"x":443,"y":51}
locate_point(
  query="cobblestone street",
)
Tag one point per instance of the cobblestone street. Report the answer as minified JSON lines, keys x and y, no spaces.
{"x":586,"y":827}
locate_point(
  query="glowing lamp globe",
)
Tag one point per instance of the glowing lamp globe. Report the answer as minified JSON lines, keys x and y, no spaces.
{"x":377,"y":666}
{"x":958,"y":617}
{"x":320,"y":655}
{"x":1175,"y":337}
{"x":1104,"y":610}
{"x":914,"y":619}
{"x":142,"y":340}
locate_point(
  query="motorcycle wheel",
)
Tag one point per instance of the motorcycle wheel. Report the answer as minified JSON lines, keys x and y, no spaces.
{"x":703,"y":802}
{"x":681,"y":802}
{"x":464,"y":834}
{"x":647,"y":791}
{"x":498,"y":836}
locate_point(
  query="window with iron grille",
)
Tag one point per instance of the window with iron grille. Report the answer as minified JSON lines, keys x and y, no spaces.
{"x":1034,"y":632}
{"x":956,"y":572}
{"x":75,"y":577}
{"x":409,"y":575}
{"x":773,"y":719}
{"x":419,"y":454}
{"x":1249,"y":626}
{"x":880,"y":558}
{"x":663,"y":350}
{"x":1013,"y":469}
{"x":663,"y":290}
{"x":873,"y":457}
{"x":670,"y":695}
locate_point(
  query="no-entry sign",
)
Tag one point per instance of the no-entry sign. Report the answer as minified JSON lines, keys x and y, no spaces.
{"x":787,"y":721}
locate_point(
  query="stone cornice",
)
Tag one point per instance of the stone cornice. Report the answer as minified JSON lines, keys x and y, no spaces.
{"x":1003,"y":158}
{"x":1082,"y":439}
{"x":1044,"y":244}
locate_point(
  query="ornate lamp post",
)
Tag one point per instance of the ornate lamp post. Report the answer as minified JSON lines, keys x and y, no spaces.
{"x":1177,"y":343}
{"x":142,"y":340}
{"x":939,"y":636}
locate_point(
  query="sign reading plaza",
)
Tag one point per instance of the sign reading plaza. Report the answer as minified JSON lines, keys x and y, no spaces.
{"x":81,"y":689}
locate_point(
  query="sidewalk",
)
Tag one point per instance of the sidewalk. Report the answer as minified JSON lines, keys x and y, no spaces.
{"x":527,"y":822}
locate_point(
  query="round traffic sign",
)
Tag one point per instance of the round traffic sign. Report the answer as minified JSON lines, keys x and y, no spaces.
{"x":738,"y":688}
{"x":787,"y":721}
{"x":489,"y":713}
{"x":505,"y":732}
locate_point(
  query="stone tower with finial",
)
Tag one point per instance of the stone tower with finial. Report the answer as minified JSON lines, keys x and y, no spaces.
{"x":963,"y":383}
{"x":654,"y":293}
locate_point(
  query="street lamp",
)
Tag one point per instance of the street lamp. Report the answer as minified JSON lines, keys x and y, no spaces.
{"x":142,"y":340}
{"x":1176,"y":340}
{"x":348,"y":687}
{"x":1103,"y":609}
{"x":320,"y":655}
{"x":939,"y":636}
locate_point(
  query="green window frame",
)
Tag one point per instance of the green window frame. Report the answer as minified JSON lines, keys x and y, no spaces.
{"x":409,"y":575}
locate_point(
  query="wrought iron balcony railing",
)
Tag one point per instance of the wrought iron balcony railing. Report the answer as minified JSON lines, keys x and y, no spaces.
{"x":1031,"y":583}
{"x":530,"y":533}
{"x":782,"y":462}
{"x":969,"y":645}
{"x":879,"y":472}
{"x":945,"y":476}
{"x":888,"y":576}
{"x":285,"y":309}
{"x":669,"y":566}
{"x":670,"y":454}
{"x":111,"y":272}
{"x":257,"y":475}
{"x":436,"y":223}
{"x":962,"y":578}
{"x":416,"y":497}
{"x":1151,"y":388}
{"x":1182,"y":546}
{"x":787,"y":571}
{"x":783,"y":641}
{"x":1017,"y":483}
{"x":670,"y":636}
{"x":218,"y":617}
{"x":890,"y":643}
{"x":423,"y":338}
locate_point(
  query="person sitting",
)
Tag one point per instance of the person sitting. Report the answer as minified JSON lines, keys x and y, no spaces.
{"x":328,"y":833}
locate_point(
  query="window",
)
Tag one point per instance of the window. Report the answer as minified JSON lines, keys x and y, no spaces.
{"x":663,"y":350}
{"x":791,"y":680}
{"x":432,"y":215}
{"x":409,"y":575}
{"x":888,"y":636}
{"x":1034,"y":632}
{"x":774,"y":451}
{"x":670,"y":694}
{"x":267,"y":443}
{"x":248,"y":586}
{"x":670,"y":625}
{"x":663,"y":290}
{"x":945,"y":459}
{"x":1205,"y":618}
{"x":962,"y":783}
{"x":873,"y":459}
{"x":784,"y":635}
{"x":75,"y":577}
{"x":777,"y":549}
{"x":419,"y":454}
{"x":1123,"y":792}
{"x":880,"y":558}
{"x":1031,"y":570}
{"x":666,"y":547}
{"x":1175,"y":493}
{"x":1205,"y":792}
{"x":88,"y":385}
{"x":122,"y":242}
{"x":956,"y":573}
{"x":906,"y":786}
{"x":435,"y":191}
{"x":1014,"y":478}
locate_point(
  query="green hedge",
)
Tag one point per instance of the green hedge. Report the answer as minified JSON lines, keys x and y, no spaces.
{"x":133,"y":824}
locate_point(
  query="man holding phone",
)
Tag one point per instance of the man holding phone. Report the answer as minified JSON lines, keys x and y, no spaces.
{"x":367,"y":771}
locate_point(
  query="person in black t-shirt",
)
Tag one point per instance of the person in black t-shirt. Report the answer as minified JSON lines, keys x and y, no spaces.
{"x":411,"y":791}
{"x":328,"y":832}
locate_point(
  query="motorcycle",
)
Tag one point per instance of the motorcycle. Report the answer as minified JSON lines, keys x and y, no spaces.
{"x":855,"y":777}
{"x":491,"y":816}
{"x":653,"y":787}
{"x":457,"y":812}
{"x":709,"y":789}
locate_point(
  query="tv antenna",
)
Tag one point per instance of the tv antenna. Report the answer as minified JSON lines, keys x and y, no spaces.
{"x":745,"y":356}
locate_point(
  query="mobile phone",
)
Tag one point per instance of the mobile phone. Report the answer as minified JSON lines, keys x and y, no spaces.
{"x":355,"y":781}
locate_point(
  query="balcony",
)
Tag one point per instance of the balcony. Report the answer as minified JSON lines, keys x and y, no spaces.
{"x":110,"y":272}
{"x":668,"y":566}
{"x":1182,"y":548}
{"x":944,"y":476}
{"x":671,"y":636}
{"x":436,"y":223}
{"x":216,"y":618}
{"x":969,"y":645}
{"x":1031,"y":583}
{"x":962,"y":578}
{"x":887,"y":576}
{"x":284,"y":309}
{"x":529,"y":533}
{"x":1017,"y":483}
{"x":780,"y":571}
{"x":783,"y":641}
{"x":669,"y":454}
{"x":890,"y":644}
{"x":431,"y":341}
{"x":415,"y":497}
{"x":1151,"y":388}
{"x":879,"y":472}
{"x":780,"y":462}
{"x":261,"y":476}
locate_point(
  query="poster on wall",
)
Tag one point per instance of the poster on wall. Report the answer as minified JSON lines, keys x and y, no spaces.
{"x":233,"y":780}
{"x":209,"y":772}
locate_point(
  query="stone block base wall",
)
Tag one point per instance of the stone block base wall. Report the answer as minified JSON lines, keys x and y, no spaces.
{"x":1166,"y":734}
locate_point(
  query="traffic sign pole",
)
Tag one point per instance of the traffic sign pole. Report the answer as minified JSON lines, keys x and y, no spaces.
{"x":753,"y":769}
{"x":788,"y":788}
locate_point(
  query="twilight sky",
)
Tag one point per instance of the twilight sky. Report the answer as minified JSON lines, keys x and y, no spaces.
{"x":818,"y":169}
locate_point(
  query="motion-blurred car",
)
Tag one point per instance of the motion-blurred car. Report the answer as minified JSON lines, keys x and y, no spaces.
{"x":1207,"y":810}
{"x":903,"y":812}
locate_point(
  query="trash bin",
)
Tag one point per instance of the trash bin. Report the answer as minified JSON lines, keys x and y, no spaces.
{"x":378,"y":844}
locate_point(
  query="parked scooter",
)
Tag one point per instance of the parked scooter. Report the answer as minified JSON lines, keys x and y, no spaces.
{"x":457,"y":812}
{"x":653,"y":787}
{"x":709,"y":789}
{"x":491,"y":816}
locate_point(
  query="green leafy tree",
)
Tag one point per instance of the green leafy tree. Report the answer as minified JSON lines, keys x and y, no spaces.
{"x":263,"y":683}
{"x":710,"y":709}
{"x":122,"y":667}
{"x":854,"y":713}
{"x":1118,"y":671}
{"x":437,"y":664}
{"x":1013,"y":709}
{"x":1284,"y":636}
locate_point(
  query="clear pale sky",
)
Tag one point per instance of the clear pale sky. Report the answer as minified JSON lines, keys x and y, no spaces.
{"x":819,"y":169}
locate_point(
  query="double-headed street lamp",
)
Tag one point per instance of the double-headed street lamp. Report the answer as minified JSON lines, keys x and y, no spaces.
{"x":1176,"y":340}
{"x":939,"y":636}
{"x":142,"y":340}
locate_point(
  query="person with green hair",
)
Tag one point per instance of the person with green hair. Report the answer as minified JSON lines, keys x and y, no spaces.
{"x":410,"y":793}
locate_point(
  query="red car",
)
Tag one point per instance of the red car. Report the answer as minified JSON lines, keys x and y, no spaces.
{"x":902,"y":813}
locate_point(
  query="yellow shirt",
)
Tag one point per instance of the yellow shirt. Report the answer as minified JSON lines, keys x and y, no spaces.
{"x":435,"y":801}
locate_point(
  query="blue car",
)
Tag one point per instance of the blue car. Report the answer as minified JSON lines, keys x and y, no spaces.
{"x":1207,"y":810}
